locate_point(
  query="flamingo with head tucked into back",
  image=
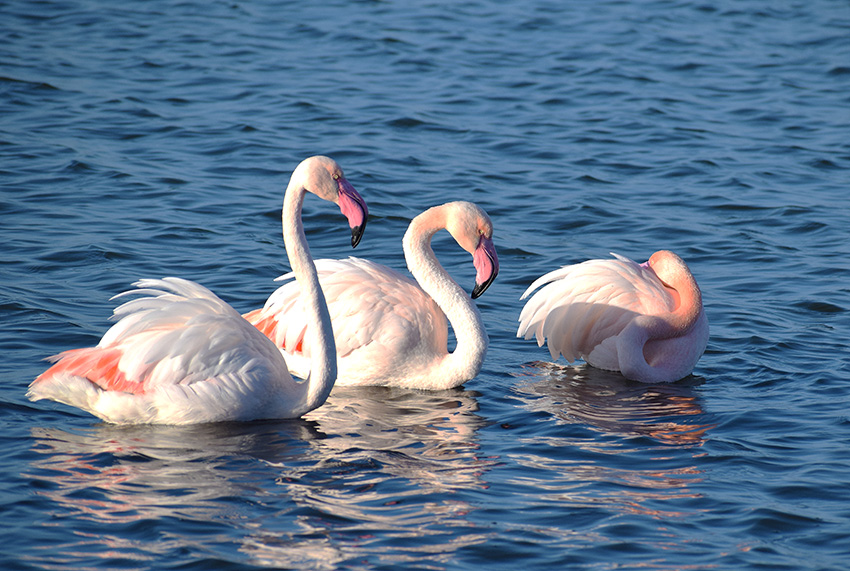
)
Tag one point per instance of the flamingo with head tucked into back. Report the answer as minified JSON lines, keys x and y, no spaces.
{"x":645,"y":320}
{"x":181,"y":355}
{"x":389,"y":329}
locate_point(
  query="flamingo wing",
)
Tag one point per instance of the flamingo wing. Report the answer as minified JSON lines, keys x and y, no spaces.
{"x":178,"y":354}
{"x":581,"y":308}
{"x":374,"y":310}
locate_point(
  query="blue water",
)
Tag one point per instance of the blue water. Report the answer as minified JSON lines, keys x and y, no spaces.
{"x":145,"y":139}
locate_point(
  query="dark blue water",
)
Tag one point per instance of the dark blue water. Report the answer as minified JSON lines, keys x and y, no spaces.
{"x":145,"y":139}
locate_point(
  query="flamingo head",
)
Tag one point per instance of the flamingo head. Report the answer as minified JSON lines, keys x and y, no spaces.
{"x":473,"y":230}
{"x":352,"y":205}
{"x":324,"y":177}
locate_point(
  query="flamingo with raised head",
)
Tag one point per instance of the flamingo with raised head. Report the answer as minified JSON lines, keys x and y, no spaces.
{"x":389,"y":329}
{"x":181,"y":355}
{"x":644,"y":320}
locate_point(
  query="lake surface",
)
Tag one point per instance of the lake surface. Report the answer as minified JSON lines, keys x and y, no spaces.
{"x":147,"y":139}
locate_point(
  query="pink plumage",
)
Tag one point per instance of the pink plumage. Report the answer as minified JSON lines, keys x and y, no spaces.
{"x":178,"y":354}
{"x":644,"y":320}
{"x":389,"y":329}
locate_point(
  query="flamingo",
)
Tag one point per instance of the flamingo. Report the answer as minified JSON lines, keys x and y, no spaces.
{"x":644,"y":320}
{"x":389,"y":329}
{"x":181,"y":355}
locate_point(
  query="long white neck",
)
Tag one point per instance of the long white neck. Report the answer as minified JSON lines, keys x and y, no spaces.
{"x":323,"y":368}
{"x":466,"y":360}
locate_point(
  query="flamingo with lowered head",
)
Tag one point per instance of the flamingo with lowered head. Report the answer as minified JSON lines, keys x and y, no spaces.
{"x":644,"y":320}
{"x":181,"y":355}
{"x":389,"y":329}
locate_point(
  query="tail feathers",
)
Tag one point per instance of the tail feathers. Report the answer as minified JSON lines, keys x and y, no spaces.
{"x":98,"y":366}
{"x":79,"y":392}
{"x":66,"y":388}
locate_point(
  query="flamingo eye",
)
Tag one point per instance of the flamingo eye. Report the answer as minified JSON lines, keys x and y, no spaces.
{"x":336,"y":176}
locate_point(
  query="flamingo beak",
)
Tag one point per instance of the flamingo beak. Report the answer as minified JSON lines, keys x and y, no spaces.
{"x":486,"y":265}
{"x":352,"y":205}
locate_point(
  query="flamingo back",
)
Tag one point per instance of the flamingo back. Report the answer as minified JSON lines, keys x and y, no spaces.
{"x":579,"y":307}
{"x":376,"y":313}
{"x":178,"y":343}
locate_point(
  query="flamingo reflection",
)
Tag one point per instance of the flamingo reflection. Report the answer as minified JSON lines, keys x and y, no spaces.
{"x":668,"y":413}
{"x":620,"y":432}
{"x":379,"y":463}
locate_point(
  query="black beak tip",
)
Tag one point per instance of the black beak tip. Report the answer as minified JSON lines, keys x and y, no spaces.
{"x":479,"y":289}
{"x":357,"y":234}
{"x":482,"y":287}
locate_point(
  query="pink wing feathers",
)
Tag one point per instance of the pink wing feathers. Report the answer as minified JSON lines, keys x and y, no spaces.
{"x":179,"y":334}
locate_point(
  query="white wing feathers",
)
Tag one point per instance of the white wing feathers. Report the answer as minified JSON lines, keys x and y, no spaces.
{"x":580,"y":306}
{"x":368,"y":303}
{"x":181,"y":332}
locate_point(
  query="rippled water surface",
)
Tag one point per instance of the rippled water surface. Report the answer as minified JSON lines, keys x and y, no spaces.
{"x":144,"y":139}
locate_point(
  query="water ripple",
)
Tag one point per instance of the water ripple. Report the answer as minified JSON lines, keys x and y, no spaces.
{"x":162,"y":143}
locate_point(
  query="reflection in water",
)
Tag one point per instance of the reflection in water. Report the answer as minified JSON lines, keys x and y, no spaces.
{"x":363,"y":474}
{"x":611,"y":404}
{"x":604,"y":421}
{"x":390,"y":467}
{"x":142,"y":492}
{"x":425,"y":435}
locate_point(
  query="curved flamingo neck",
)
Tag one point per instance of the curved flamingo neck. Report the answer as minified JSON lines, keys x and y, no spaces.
{"x":686,"y":299}
{"x":465,"y":361}
{"x":323,"y":366}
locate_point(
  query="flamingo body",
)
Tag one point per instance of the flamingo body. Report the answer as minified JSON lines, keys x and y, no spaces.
{"x":375,"y":311}
{"x":181,"y":355}
{"x":389,"y":329}
{"x":643,"y":320}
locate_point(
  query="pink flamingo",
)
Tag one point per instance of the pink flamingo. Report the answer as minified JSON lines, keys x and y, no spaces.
{"x":181,"y":355}
{"x":644,"y":320}
{"x":389,"y":329}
